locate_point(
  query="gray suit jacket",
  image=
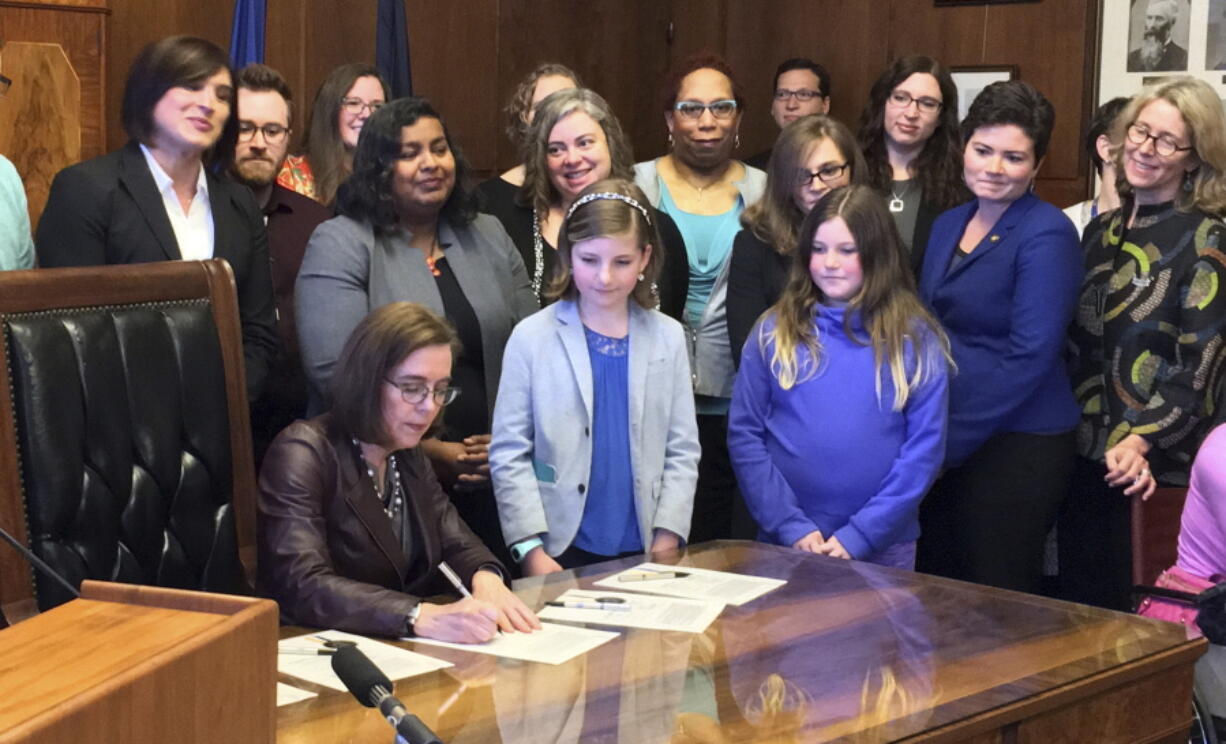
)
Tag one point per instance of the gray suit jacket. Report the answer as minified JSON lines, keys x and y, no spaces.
{"x":712,"y":351}
{"x":541,"y":452}
{"x":348,"y":271}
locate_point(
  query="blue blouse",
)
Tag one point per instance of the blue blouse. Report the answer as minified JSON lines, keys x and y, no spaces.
{"x":610,"y":524}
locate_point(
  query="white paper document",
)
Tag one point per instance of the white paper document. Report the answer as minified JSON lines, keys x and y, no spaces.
{"x":396,"y":663}
{"x":692,"y":583}
{"x":638,"y":611}
{"x":552,"y":644}
{"x":287,"y":694}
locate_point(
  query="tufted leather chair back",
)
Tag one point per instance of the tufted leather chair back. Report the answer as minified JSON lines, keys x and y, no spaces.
{"x":124,"y":442}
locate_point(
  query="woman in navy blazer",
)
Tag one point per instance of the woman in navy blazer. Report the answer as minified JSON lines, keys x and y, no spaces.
{"x":1001,"y":274}
{"x":158,"y":198}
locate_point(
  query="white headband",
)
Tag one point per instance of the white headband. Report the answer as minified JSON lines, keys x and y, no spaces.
{"x":607,"y":195}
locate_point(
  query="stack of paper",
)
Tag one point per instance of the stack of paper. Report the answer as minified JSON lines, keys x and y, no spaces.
{"x":552,"y":644}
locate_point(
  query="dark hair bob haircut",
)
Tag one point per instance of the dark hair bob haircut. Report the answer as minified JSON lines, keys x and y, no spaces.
{"x":367,"y":195}
{"x":1100,"y":125}
{"x":1012,"y":102}
{"x":377,"y":345}
{"x":170,"y":63}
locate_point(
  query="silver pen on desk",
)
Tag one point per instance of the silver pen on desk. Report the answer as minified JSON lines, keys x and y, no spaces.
{"x":646,"y":575}
{"x":597,"y":605}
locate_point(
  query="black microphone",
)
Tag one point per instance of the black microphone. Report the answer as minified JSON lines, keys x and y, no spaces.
{"x":372,"y":688}
{"x":39,"y":563}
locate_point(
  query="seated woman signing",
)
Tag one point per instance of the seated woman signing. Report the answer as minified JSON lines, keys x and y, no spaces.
{"x":352,"y":522}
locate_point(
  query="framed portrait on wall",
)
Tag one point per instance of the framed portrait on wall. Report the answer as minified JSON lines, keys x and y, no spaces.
{"x":1143,"y":41}
{"x":972,"y":79}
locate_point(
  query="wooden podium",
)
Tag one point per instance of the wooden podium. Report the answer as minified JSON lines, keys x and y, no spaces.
{"x":128,"y":664}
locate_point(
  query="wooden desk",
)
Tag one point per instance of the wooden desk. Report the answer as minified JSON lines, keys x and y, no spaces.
{"x":845,"y":651}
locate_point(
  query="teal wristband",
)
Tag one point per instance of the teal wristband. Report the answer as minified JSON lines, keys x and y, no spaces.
{"x":520,"y":550}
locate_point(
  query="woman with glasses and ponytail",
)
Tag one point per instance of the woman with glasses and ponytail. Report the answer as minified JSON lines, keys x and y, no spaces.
{"x":353,"y":524}
{"x":1150,"y":329}
{"x":704,"y":190}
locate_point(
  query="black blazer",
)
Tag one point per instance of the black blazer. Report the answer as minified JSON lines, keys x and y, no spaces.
{"x":108,"y":211}
{"x":756,"y":279}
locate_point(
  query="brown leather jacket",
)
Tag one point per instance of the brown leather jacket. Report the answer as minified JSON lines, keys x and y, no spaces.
{"x":327,"y":552}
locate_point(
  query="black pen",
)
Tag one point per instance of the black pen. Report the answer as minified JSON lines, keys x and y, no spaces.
{"x":306,"y":651}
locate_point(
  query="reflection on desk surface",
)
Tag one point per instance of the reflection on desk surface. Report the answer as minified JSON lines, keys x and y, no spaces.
{"x":845,"y":651}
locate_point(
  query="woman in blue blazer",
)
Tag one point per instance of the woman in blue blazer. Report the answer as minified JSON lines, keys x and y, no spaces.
{"x":1001,"y":274}
{"x":595,"y":444}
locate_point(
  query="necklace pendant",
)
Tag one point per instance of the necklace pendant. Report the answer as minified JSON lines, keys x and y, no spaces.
{"x":897,"y":205}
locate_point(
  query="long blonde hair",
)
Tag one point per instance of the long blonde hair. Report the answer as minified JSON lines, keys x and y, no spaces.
{"x":892,"y":314}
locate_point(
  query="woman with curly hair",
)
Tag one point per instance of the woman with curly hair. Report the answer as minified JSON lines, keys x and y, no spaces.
{"x":909,"y":134}
{"x":407,"y":230}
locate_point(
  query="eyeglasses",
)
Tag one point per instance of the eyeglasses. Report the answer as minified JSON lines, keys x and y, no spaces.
{"x":414,"y":393}
{"x":4,"y":85}
{"x":902,"y":99}
{"x":826,"y":174}
{"x":804,"y":95}
{"x":357,"y":105}
{"x":273,"y":133}
{"x":693,"y":109}
{"x":1164,"y":144}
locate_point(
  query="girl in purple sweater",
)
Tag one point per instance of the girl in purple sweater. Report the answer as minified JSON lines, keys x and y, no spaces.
{"x":837,"y":425}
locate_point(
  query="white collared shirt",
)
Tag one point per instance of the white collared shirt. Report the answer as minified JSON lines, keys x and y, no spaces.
{"x":193,"y":230}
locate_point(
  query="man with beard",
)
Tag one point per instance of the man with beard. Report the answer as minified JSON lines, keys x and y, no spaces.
{"x":264,"y":101}
{"x":1158,"y":52}
{"x":802,"y":87}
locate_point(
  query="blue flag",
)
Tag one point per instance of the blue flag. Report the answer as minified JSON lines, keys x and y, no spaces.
{"x":392,"y":47}
{"x":247,"y":35}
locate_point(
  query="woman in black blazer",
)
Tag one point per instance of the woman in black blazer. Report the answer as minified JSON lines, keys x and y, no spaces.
{"x":159,"y":198}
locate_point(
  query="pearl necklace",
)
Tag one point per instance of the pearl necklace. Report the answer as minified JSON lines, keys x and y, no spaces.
{"x":393,"y":501}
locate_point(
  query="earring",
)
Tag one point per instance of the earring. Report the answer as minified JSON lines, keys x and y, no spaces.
{"x":641,"y":277}
{"x":736,"y":143}
{"x":670,"y":140}
{"x":1189,"y":180}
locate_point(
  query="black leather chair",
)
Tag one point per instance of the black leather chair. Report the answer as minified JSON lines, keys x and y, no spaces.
{"x":125,"y":447}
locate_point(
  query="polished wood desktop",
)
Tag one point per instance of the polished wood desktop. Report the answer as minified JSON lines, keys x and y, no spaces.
{"x":844,"y":652}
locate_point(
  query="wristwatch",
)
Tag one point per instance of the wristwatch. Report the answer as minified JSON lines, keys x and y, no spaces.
{"x":520,"y":550}
{"x":411,"y":619}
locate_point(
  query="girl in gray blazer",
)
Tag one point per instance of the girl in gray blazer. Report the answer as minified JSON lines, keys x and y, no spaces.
{"x":595,"y":445}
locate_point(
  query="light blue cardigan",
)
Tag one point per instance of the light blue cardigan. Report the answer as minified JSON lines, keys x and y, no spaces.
{"x":541,"y":451}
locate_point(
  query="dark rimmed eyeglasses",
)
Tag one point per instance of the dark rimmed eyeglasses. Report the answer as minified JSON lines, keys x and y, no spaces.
{"x":804,"y":95}
{"x":414,"y":393}
{"x":827,"y":174}
{"x":694,"y":109}
{"x":1164,"y":144}
{"x":273,"y":133}
{"x":902,"y":99}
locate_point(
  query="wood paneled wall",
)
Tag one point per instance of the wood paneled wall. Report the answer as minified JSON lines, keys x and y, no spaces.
{"x":467,"y":56}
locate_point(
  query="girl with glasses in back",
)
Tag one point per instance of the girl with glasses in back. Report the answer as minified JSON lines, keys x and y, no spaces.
{"x":813,"y":155}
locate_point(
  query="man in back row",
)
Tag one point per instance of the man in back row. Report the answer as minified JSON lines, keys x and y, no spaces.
{"x":265,"y":113}
{"x":802,"y":87}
